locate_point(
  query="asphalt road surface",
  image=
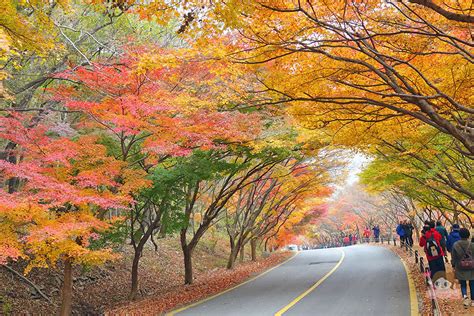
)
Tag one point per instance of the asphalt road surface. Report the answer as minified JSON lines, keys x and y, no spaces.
{"x":357,"y":280}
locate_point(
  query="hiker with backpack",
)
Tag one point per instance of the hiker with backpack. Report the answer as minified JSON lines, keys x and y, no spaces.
{"x":346,"y":241}
{"x":431,"y":243}
{"x":463,"y":264}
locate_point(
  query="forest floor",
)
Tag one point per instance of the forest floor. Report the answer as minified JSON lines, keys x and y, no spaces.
{"x":449,"y":299}
{"x":104,"y":289}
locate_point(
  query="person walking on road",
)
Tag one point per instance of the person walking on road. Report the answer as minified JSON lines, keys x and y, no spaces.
{"x":444,"y":233}
{"x":408,"y":228}
{"x":463,"y":264}
{"x":366,"y":234}
{"x":401,"y":233}
{"x":376,"y":231}
{"x":345,"y":241}
{"x":431,"y":242}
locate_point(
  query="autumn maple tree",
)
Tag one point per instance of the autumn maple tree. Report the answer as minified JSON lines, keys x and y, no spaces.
{"x":54,"y":191}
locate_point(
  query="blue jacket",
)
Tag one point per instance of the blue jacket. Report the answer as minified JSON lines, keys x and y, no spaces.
{"x":376,"y":232}
{"x":400,"y":230}
{"x":452,"y":238}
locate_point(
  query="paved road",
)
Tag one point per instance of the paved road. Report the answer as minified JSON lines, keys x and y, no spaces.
{"x":357,"y":280}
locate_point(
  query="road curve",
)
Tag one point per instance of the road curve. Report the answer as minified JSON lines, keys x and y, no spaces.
{"x":356,"y":280}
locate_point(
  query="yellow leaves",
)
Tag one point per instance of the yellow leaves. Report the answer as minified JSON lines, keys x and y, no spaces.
{"x":20,"y":213}
{"x":44,"y":237}
{"x":49,"y":254}
{"x":66,"y":236}
{"x":10,"y":247}
{"x":21,"y":30}
{"x":134,"y":180}
{"x":157,"y":58}
{"x":197,"y":217}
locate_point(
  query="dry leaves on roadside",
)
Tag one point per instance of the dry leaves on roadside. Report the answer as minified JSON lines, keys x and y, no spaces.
{"x":205,"y":285}
{"x":449,"y":300}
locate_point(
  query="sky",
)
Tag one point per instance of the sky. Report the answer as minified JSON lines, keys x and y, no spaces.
{"x":356,"y":165}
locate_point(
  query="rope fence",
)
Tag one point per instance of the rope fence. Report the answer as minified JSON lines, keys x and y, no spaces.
{"x":425,"y":270}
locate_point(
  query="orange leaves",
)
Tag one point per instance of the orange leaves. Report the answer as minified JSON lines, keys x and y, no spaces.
{"x":134,"y":180}
{"x":153,"y":97}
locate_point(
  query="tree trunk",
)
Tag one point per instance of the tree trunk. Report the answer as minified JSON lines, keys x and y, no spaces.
{"x":242,"y":253}
{"x":66,"y":291}
{"x":253,"y":247}
{"x":136,"y":261}
{"x":232,"y":255}
{"x":188,"y":265}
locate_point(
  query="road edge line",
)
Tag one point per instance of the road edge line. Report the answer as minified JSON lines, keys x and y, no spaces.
{"x":414,"y":309}
{"x":173,"y":312}
{"x":314,"y":286}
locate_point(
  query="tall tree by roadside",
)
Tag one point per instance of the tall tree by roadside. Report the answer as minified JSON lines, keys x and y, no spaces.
{"x":54,"y":195}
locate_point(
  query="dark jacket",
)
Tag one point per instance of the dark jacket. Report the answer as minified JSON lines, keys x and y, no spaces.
{"x":452,"y":238}
{"x":408,"y":228}
{"x":459,"y":249}
{"x":442,"y":231}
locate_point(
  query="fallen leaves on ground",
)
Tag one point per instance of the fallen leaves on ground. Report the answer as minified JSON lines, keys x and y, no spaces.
{"x":205,"y":285}
{"x":106,"y":288}
{"x":449,"y":300}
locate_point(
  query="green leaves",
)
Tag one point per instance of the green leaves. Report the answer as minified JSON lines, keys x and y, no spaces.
{"x":114,"y":237}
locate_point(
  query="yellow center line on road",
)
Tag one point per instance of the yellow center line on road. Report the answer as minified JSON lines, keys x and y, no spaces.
{"x":174,"y":312}
{"x":302,"y":295}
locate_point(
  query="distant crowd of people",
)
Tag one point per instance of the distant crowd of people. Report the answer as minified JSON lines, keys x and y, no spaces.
{"x":349,"y":239}
{"x":437,"y":243}
{"x":352,"y":239}
{"x":375,"y":232}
